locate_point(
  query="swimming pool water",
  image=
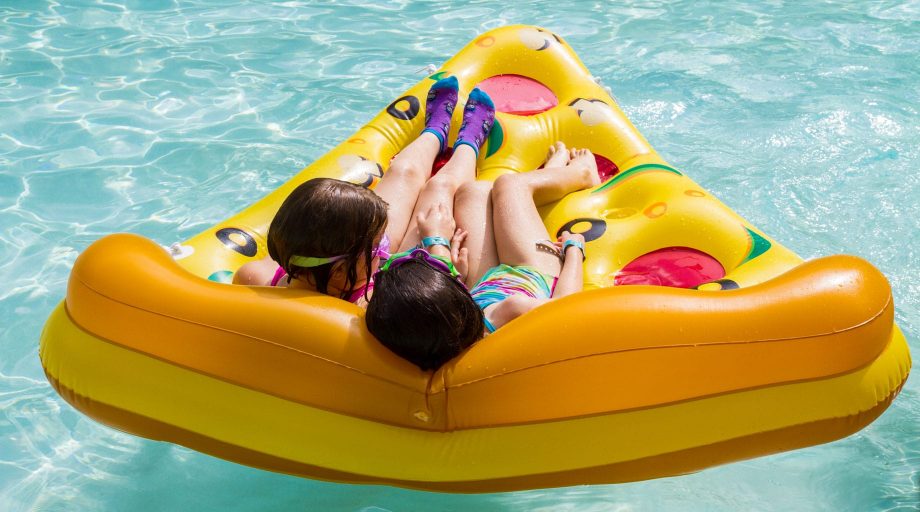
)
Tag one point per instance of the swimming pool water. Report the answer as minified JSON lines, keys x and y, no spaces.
{"x":161,"y":118}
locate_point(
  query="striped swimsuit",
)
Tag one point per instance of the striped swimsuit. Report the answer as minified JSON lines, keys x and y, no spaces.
{"x":503,"y":281}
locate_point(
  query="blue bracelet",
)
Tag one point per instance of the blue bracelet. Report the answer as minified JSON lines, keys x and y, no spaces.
{"x":428,"y":241}
{"x":574,"y":243}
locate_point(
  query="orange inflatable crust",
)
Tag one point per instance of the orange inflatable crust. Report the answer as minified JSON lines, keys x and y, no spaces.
{"x":712,"y":343}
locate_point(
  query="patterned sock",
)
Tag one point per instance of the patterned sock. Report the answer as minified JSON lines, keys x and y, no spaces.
{"x":439,"y":107}
{"x":478,"y":117}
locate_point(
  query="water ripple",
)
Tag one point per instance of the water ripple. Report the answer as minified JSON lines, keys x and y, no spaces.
{"x":162,"y":118}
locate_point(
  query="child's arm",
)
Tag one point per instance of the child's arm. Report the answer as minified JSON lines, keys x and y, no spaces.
{"x":256,"y":273}
{"x":571,"y":278}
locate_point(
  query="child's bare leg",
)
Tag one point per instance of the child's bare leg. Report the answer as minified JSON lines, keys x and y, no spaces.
{"x":404,"y":180}
{"x":460,"y":169}
{"x":411,"y":168}
{"x":515,"y":197}
{"x":473,"y":213}
{"x":478,"y":116}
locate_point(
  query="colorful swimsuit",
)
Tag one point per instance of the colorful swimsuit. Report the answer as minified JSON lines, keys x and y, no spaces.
{"x":503,"y":281}
{"x":355,"y":297}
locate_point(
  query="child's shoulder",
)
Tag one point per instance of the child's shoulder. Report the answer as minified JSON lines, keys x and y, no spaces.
{"x":256,"y":273}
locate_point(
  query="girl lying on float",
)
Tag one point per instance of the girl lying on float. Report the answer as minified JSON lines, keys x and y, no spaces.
{"x":331,"y":236}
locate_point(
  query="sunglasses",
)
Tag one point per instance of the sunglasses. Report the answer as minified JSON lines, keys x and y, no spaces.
{"x":381,"y":250}
{"x":437,"y":262}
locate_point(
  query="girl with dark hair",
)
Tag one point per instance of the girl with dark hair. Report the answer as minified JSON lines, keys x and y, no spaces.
{"x":422,"y":310}
{"x":329,"y":236}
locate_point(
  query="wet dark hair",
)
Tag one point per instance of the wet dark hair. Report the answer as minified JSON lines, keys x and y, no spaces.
{"x":423,"y":314}
{"x":322,"y":218}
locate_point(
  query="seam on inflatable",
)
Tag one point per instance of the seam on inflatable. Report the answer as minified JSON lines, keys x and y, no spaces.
{"x":68,"y":392}
{"x":448,"y":428}
{"x":457,"y":385}
{"x":494,"y":485}
{"x":859,"y":419}
{"x":249,"y":336}
{"x":893,"y":390}
{"x":224,"y":379}
{"x":256,"y":390}
{"x":661,"y":405}
{"x":872,"y":319}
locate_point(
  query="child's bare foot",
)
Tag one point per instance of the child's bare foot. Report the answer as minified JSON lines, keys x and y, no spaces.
{"x":558,"y":156}
{"x":583,"y":160}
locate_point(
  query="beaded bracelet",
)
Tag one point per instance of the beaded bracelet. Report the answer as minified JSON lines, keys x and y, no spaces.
{"x":550,"y":247}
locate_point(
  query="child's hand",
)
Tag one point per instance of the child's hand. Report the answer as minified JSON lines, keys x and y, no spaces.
{"x":459,"y":254}
{"x":571,"y":236}
{"x":567,"y":235}
{"x":437,"y":221}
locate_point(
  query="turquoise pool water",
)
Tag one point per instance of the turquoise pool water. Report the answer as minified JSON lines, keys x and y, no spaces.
{"x":161,"y":118}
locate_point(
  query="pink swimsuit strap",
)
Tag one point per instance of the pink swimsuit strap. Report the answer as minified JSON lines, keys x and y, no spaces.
{"x":280,"y":273}
{"x":359,"y":293}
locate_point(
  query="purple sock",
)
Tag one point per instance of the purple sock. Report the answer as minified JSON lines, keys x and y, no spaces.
{"x":478,"y":116}
{"x":439,"y":107}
